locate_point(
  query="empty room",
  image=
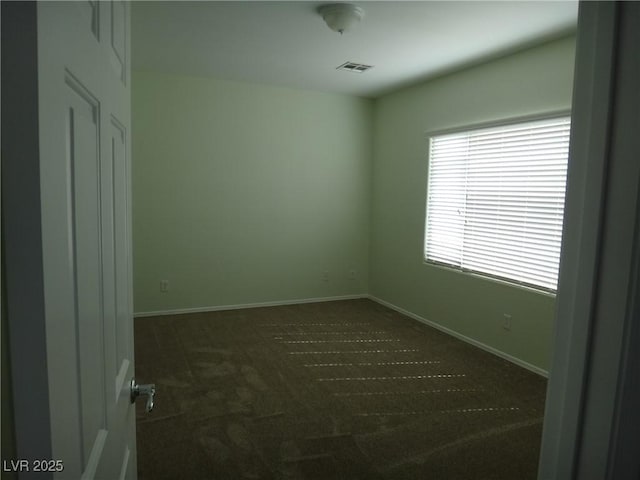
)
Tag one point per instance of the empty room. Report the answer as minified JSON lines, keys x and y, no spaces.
{"x":266,"y":176}
{"x":320,"y":240}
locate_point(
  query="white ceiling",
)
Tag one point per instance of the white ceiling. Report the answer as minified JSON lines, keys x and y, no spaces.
{"x":287,"y":43}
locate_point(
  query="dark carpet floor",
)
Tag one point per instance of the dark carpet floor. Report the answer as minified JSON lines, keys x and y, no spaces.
{"x":338,"y":390}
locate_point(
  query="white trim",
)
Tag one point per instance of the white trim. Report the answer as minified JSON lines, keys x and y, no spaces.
{"x":276,"y":303}
{"x":464,"y":338}
{"x":453,"y":333}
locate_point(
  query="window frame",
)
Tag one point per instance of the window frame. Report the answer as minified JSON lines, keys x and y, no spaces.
{"x":550,"y":115}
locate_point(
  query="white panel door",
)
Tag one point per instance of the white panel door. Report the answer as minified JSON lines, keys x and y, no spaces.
{"x":84,"y":121}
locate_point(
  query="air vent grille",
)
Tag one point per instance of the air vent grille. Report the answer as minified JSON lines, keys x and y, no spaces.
{"x":354,"y":67}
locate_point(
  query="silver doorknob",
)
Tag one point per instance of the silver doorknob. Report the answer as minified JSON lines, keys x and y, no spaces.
{"x":148,"y":389}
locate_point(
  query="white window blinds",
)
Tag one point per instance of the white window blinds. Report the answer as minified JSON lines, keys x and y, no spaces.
{"x":495,"y":200}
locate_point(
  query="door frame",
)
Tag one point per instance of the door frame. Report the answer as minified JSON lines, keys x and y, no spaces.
{"x":593,"y":379}
{"x":21,"y":229}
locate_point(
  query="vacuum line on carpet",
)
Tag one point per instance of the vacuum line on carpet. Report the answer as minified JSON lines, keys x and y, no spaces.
{"x":308,"y":324}
{"x":341,"y":341}
{"x":325,"y":333}
{"x":415,"y":392}
{"x":428,"y":412}
{"x":423,"y":457}
{"x":370,"y":364}
{"x":353,"y":351}
{"x":400,"y":377}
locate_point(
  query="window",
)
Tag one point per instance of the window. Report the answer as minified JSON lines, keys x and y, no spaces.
{"x":495,"y":200}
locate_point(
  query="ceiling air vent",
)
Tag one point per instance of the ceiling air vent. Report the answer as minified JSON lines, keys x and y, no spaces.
{"x":354,"y":67}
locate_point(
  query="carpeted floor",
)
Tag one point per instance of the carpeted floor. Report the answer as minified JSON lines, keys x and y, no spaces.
{"x":339,"y":390}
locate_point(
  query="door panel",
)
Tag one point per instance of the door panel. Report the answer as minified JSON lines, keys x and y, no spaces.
{"x":121,"y":234}
{"x":84,"y":116}
{"x":83,"y":158}
{"x":118,"y":38}
{"x":89,"y":16}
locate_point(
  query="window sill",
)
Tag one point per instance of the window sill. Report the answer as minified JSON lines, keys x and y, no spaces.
{"x":488,"y":278}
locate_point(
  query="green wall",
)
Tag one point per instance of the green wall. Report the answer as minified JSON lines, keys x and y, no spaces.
{"x":532,"y":82}
{"x":245,"y":193}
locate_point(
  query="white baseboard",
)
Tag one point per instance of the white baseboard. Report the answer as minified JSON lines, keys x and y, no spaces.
{"x":277,"y":303}
{"x":462,"y":337}
{"x":409,"y":314}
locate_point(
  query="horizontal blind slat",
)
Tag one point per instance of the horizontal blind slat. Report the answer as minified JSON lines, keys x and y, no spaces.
{"x":495,"y":200}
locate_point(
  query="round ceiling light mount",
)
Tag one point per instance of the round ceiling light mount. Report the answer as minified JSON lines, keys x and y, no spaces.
{"x":340,"y":17}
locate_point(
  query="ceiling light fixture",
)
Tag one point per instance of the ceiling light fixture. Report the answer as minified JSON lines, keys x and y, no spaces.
{"x":340,"y":17}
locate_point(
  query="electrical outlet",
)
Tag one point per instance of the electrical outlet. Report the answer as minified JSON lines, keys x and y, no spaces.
{"x":164,"y":286}
{"x":352,"y":274}
{"x":506,"y":321}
